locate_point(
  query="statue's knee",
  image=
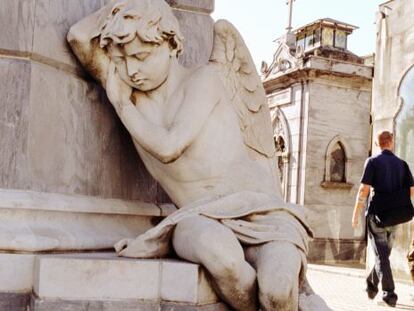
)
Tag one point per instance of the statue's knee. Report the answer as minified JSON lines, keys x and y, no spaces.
{"x":278,"y":292}
{"x":222,"y":265}
{"x":280,"y":299}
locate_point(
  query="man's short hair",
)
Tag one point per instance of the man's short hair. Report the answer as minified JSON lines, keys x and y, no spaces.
{"x":384,"y":138}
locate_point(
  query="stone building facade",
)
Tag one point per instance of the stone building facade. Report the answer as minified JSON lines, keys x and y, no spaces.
{"x":319,"y":94}
{"x":393,"y":99}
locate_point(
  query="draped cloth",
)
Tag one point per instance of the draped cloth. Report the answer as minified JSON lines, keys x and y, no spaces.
{"x":254,"y":217}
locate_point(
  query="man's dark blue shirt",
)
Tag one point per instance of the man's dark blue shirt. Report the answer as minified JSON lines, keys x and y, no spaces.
{"x":387,"y":173}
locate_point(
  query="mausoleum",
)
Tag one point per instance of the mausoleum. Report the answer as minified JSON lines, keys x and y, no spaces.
{"x":319,"y":94}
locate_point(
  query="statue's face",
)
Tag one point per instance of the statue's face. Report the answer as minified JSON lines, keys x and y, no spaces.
{"x":143,"y":66}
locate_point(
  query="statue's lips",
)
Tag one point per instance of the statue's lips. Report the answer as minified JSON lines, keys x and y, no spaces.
{"x":139,"y":81}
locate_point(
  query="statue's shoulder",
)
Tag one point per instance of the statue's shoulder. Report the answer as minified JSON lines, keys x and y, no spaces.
{"x":206,"y":76}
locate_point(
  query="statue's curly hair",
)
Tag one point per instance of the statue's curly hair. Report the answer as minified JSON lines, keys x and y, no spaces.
{"x":150,"y":20}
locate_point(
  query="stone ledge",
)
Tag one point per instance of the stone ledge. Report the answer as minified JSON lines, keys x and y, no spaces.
{"x":202,"y":6}
{"x":106,"y":277}
{"x":38,"y":304}
{"x":43,"y":201}
{"x":39,"y":221}
{"x":336,"y":185}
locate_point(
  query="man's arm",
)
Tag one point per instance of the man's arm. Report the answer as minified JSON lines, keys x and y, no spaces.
{"x":84,"y":41}
{"x":361,"y":198}
{"x":167,"y":144}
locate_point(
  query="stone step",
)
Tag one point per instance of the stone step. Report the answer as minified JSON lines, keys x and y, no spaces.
{"x":104,"y":277}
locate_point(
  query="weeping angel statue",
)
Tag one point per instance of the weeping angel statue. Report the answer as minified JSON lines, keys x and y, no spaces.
{"x":205,"y":135}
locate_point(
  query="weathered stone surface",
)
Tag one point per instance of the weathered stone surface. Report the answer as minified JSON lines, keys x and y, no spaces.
{"x":16,"y":273}
{"x":185,"y":283}
{"x":197,"y":30}
{"x":14,"y":301}
{"x":180,"y":307}
{"x":17,"y":24}
{"x":96,"y":278}
{"x":104,"y":276}
{"x":14,"y":121}
{"x":52,"y":22}
{"x":39,"y":221}
{"x":88,"y":150}
{"x":205,"y":6}
{"x":38,"y":304}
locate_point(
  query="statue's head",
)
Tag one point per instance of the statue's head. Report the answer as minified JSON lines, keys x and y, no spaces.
{"x":142,"y":37}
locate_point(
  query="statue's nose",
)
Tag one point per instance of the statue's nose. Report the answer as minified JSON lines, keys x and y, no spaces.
{"x":132,"y":68}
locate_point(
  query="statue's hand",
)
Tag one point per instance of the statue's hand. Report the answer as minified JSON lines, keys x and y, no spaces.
{"x":119,"y":93}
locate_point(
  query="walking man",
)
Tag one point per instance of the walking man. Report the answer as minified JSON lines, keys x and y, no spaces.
{"x":386,"y":174}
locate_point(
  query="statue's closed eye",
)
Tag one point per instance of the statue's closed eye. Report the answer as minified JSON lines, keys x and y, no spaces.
{"x":115,"y":10}
{"x":129,"y":16}
{"x":142,"y":55}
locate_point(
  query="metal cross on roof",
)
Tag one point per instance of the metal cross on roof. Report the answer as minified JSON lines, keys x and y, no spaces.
{"x":290,"y":4}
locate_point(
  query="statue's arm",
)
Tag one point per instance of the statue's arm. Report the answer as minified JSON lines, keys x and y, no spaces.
{"x":168,"y":144}
{"x":83,"y":38}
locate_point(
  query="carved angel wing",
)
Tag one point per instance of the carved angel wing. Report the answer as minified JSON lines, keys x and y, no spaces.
{"x":235,"y":65}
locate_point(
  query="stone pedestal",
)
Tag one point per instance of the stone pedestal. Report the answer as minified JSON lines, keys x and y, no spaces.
{"x":102,"y":282}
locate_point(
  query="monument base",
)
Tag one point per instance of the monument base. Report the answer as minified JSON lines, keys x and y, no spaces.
{"x":103,"y":282}
{"x":38,"y":304}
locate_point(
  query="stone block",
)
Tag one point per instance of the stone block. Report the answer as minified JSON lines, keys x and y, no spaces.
{"x":82,"y":148}
{"x":197,"y":30}
{"x":38,"y":304}
{"x":14,"y":120}
{"x":17,"y":24}
{"x":185,"y":283}
{"x":106,"y":277}
{"x":14,"y":301}
{"x":52,"y":22}
{"x":36,"y":221}
{"x":16,"y":274}
{"x":205,"y":6}
{"x":183,"y":307}
{"x":96,"y":277}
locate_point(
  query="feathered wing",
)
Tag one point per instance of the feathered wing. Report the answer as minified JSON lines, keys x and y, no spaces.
{"x":233,"y":61}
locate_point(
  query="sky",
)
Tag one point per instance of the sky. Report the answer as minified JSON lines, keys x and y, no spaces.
{"x":262,"y":21}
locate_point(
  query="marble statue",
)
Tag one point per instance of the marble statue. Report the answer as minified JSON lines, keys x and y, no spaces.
{"x":205,"y":135}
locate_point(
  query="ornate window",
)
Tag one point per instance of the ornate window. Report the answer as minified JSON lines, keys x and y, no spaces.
{"x":337,"y":163}
{"x":281,"y":139}
{"x":404,"y":121}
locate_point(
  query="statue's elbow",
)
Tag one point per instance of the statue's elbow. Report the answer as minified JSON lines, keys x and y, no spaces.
{"x":76,"y":36}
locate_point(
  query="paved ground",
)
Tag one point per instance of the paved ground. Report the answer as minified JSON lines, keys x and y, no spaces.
{"x":343,"y":289}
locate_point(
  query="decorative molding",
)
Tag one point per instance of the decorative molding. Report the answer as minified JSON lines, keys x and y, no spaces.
{"x":280,"y":98}
{"x":336,"y":185}
{"x":283,"y":62}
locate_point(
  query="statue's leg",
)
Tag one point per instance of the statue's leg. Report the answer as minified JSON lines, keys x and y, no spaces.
{"x":278,"y":265}
{"x":209,"y":243}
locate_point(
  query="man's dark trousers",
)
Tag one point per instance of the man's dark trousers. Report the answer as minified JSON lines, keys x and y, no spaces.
{"x":382,"y":240}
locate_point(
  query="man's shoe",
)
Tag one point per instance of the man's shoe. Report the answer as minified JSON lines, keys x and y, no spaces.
{"x":371,"y":290}
{"x":390,"y":298}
